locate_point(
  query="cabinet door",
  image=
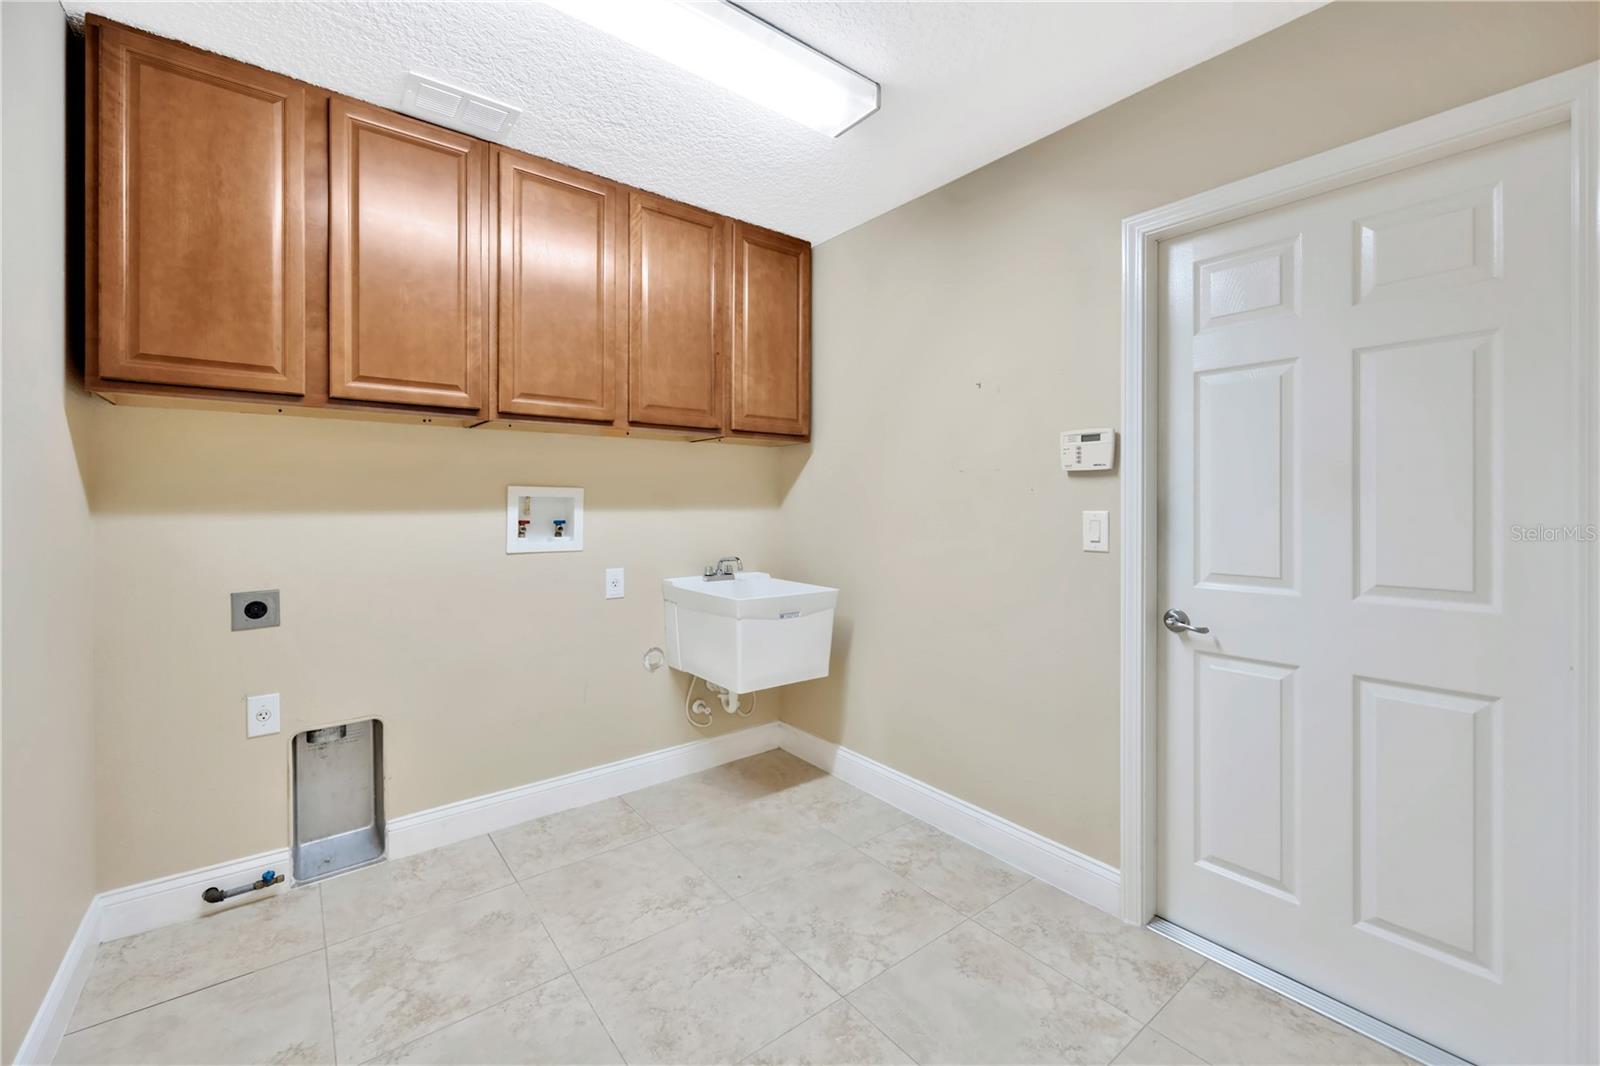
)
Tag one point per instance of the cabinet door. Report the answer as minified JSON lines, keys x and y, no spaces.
{"x":200,"y":172}
{"x":406,"y":307}
{"x":558,"y":302}
{"x":771,"y":366}
{"x":676,"y":313}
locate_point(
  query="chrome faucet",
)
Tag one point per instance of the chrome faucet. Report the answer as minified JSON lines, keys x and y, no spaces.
{"x":726,"y":567}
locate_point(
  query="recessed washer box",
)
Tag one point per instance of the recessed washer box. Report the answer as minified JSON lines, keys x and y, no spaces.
{"x":542,"y":518}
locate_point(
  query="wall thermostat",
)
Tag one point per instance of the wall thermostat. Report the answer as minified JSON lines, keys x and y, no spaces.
{"x":1089,"y":449}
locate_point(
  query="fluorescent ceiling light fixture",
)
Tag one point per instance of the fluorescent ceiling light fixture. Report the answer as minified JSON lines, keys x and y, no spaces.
{"x":732,"y":48}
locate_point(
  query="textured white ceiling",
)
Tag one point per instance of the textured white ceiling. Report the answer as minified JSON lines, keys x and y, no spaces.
{"x":963,"y":84}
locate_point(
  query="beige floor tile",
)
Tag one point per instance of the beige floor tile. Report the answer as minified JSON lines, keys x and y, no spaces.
{"x":276,"y":1015}
{"x":374,"y":896}
{"x":1131,"y":968}
{"x":710,"y":792}
{"x":147,"y":968}
{"x":844,"y":810}
{"x":599,"y":905}
{"x":838,"y":1035}
{"x":549,"y":1026}
{"x":408,"y":979}
{"x":849,"y":918}
{"x":969,"y":997}
{"x":1150,"y":1048}
{"x":713,"y":989}
{"x":754,"y":844}
{"x":1224,"y":1018}
{"x":962,"y":876}
{"x":555,"y":840}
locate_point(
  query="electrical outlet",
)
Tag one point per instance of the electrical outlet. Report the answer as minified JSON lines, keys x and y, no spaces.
{"x":614,"y":583}
{"x":261,"y":715}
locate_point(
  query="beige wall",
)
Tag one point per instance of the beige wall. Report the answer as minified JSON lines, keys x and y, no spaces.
{"x":388,"y":542}
{"x":956,"y":336}
{"x":47,"y":827}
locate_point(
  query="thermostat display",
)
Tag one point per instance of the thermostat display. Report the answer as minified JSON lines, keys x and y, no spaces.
{"x":1089,"y":449}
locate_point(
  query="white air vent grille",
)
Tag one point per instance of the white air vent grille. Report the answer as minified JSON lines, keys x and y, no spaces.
{"x":436,"y":101}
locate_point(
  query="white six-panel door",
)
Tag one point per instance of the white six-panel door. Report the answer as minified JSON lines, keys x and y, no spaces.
{"x":1367,"y":437}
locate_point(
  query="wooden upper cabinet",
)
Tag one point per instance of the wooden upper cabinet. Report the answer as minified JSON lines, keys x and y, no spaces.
{"x":200,"y":179}
{"x":406,"y":260}
{"x":676,"y":312}
{"x":558,"y":311}
{"x":770,"y":374}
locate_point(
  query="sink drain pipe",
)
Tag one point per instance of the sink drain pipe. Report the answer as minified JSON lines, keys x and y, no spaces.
{"x":700,"y":709}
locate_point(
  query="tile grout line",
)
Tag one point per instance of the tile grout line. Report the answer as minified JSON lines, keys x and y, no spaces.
{"x":899,"y":877}
{"x":566,"y":972}
{"x":468,"y":1017}
{"x":737,"y":901}
{"x":573,"y":973}
{"x":1151,"y":1024}
{"x":513,"y":883}
{"x":327,"y":970}
{"x":827,"y":1007}
{"x":1073,"y":981}
{"x":843,"y":997}
{"x":654,"y":831}
{"x":837,"y":998}
{"x":420,"y":913}
{"x":604,"y":1028}
{"x":190,"y":992}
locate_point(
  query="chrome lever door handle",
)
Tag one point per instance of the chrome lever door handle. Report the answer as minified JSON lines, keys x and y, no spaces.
{"x":1178,"y":622}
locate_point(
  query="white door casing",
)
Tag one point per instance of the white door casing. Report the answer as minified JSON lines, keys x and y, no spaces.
{"x":1380,"y":765}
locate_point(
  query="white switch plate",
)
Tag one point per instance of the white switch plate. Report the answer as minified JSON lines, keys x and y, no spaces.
{"x":614,"y":583}
{"x":1097,"y":531}
{"x":261,"y":715}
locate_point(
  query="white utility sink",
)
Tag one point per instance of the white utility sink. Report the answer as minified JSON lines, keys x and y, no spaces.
{"x":750,"y":633}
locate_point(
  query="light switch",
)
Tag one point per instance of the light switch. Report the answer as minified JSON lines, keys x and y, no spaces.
{"x":1097,"y":531}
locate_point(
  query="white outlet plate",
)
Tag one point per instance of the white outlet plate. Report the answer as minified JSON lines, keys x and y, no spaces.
{"x":614,"y":583}
{"x":261,"y":715}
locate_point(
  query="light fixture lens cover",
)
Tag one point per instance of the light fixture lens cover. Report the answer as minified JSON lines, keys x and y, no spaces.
{"x":732,"y":48}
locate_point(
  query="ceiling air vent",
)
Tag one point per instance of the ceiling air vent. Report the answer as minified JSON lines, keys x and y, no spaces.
{"x":437,"y":101}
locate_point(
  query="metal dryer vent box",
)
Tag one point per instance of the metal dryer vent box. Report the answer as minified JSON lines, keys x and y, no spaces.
{"x":338,"y":799}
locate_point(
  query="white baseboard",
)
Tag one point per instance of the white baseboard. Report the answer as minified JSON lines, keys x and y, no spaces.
{"x":139,"y":908}
{"x":142,"y":907}
{"x":43,"y":1039}
{"x":165,"y":900}
{"x":1090,"y":880}
{"x":452,"y":822}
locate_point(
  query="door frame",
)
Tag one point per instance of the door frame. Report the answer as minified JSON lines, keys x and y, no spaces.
{"x":1572,"y":97}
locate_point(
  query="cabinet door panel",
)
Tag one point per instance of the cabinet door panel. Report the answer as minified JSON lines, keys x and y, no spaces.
{"x":406,"y":260}
{"x":558,"y":302}
{"x":676,"y":313}
{"x":201,"y":206}
{"x":771,"y":366}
